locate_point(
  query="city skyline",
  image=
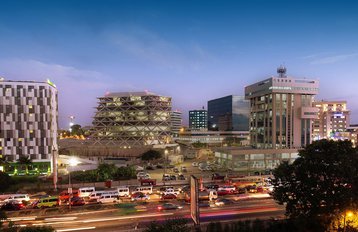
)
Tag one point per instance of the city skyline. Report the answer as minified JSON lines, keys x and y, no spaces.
{"x":192,"y":52}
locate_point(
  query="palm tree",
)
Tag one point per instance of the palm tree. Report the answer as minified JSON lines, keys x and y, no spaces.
{"x":25,"y":160}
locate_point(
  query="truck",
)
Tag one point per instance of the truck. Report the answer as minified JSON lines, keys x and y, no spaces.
{"x":206,"y":195}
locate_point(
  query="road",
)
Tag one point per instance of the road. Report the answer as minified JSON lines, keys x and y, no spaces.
{"x":114,"y":220}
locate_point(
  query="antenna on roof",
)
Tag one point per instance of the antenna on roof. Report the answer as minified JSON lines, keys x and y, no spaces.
{"x":281,"y":71}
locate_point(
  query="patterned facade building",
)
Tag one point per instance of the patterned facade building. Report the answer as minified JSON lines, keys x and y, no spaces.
{"x":132,"y":119}
{"x":29,"y":120}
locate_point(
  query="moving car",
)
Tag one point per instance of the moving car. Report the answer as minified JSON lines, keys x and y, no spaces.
{"x":64,"y":195}
{"x":168,"y":196}
{"x":139,"y":196}
{"x":108,"y":198}
{"x":47,"y":202}
{"x":20,"y":198}
{"x":228,"y":188}
{"x":222,"y":202}
{"x":169,"y":206}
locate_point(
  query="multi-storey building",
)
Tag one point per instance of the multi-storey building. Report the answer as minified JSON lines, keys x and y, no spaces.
{"x":176,"y":122}
{"x":29,"y":115}
{"x":333,"y":117}
{"x":132,"y":119}
{"x":198,"y":119}
{"x":230,"y":113}
{"x":281,"y":111}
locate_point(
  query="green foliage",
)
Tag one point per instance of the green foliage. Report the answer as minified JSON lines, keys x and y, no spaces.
{"x":323,"y":181}
{"x":104,"y":172}
{"x":176,"y":224}
{"x":151,"y":155}
{"x":37,"y":229}
{"x":76,"y":130}
{"x":5,"y":181}
{"x":26,"y":161}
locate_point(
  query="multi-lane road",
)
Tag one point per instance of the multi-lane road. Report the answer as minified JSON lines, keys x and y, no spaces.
{"x":114,"y":220}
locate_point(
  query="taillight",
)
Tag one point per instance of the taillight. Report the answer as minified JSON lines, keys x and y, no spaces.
{"x":159,"y":207}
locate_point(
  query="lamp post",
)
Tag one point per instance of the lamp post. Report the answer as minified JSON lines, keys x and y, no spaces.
{"x":71,"y":162}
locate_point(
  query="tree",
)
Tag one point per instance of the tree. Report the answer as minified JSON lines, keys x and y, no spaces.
{"x":106,"y":171}
{"x":5,"y":180}
{"x":76,"y":130}
{"x":322,"y":183}
{"x":151,"y":155}
{"x":26,"y":161}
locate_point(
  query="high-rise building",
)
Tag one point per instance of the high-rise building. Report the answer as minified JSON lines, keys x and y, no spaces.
{"x":176,"y":122}
{"x":281,"y":111}
{"x":132,"y":119}
{"x":230,"y":113}
{"x":29,"y":117}
{"x":333,"y":117}
{"x":198,"y":119}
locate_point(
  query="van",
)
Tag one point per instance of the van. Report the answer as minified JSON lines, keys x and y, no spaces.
{"x":85,"y":191}
{"x":18,"y":198}
{"x":123,"y":192}
{"x":97,"y":194}
{"x":48,"y":202}
{"x":144,"y":189}
{"x":108,"y":198}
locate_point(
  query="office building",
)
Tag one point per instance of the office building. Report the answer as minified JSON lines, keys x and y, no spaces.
{"x":333,"y":118}
{"x":230,"y":113}
{"x":281,"y":111}
{"x":175,"y":122}
{"x":29,"y":115}
{"x":198,"y":119}
{"x":132,"y":120}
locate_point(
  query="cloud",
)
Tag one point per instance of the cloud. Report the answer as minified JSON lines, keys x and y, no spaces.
{"x":150,"y":47}
{"x":316,"y":59}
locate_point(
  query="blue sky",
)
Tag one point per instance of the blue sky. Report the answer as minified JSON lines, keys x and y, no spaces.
{"x":193,"y":51}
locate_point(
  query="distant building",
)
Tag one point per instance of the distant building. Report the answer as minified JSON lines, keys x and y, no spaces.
{"x":230,"y":113}
{"x":29,"y":115}
{"x":281,"y":111}
{"x":213,"y":137}
{"x":333,"y":118}
{"x":176,"y":122}
{"x":198,"y":119}
{"x":132,"y":119}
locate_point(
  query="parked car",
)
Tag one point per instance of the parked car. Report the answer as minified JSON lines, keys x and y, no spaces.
{"x":139,"y":168}
{"x":169,"y":206}
{"x":64,"y":195}
{"x":173,"y":177}
{"x":139,"y":196}
{"x":217,"y":176}
{"x":168,"y":196}
{"x":166,"y":177}
{"x":176,"y":170}
{"x":20,"y":198}
{"x":77,"y":201}
{"x":222,"y":202}
{"x":181,"y":177}
{"x":212,"y":186}
{"x":12,"y":205}
{"x":183,"y":169}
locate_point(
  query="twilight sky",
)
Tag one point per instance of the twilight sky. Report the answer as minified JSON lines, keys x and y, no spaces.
{"x":193,"y":51}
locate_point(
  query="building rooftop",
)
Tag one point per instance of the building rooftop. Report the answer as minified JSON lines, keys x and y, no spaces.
{"x":128,"y":94}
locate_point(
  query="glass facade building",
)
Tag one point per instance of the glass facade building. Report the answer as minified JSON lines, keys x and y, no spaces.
{"x":198,"y":119}
{"x":230,"y":113}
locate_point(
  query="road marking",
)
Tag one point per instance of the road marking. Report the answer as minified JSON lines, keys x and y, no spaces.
{"x":16,"y":219}
{"x":74,"y":229}
{"x":128,"y":217}
{"x":60,"y":219}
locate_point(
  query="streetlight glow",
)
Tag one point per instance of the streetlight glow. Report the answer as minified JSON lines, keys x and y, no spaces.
{"x":73,"y":161}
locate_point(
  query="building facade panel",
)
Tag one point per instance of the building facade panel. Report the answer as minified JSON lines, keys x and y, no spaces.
{"x":198,"y":119}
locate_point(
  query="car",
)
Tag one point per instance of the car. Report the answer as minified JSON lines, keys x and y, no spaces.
{"x":217,"y":176}
{"x":139,"y":196}
{"x":173,"y":177}
{"x":77,"y":201}
{"x":160,"y":166}
{"x":12,"y":205}
{"x":171,"y":191}
{"x":139,"y":168}
{"x":228,"y":188}
{"x":168,"y":196}
{"x":166,"y":177}
{"x":143,"y":175}
{"x":212,"y":186}
{"x":183,"y":169}
{"x":181,"y":177}
{"x":64,"y":195}
{"x":194,"y":164}
{"x":169,"y":206}
{"x":224,"y":192}
{"x":20,"y":198}
{"x":176,"y":170}
{"x":241,"y":190}
{"x":222,"y":202}
{"x":47,"y":202}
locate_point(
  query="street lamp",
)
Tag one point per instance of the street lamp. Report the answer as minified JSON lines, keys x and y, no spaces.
{"x":348,"y":214}
{"x":72,"y":161}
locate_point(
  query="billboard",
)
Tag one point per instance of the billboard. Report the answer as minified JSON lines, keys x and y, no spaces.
{"x":194,"y":200}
